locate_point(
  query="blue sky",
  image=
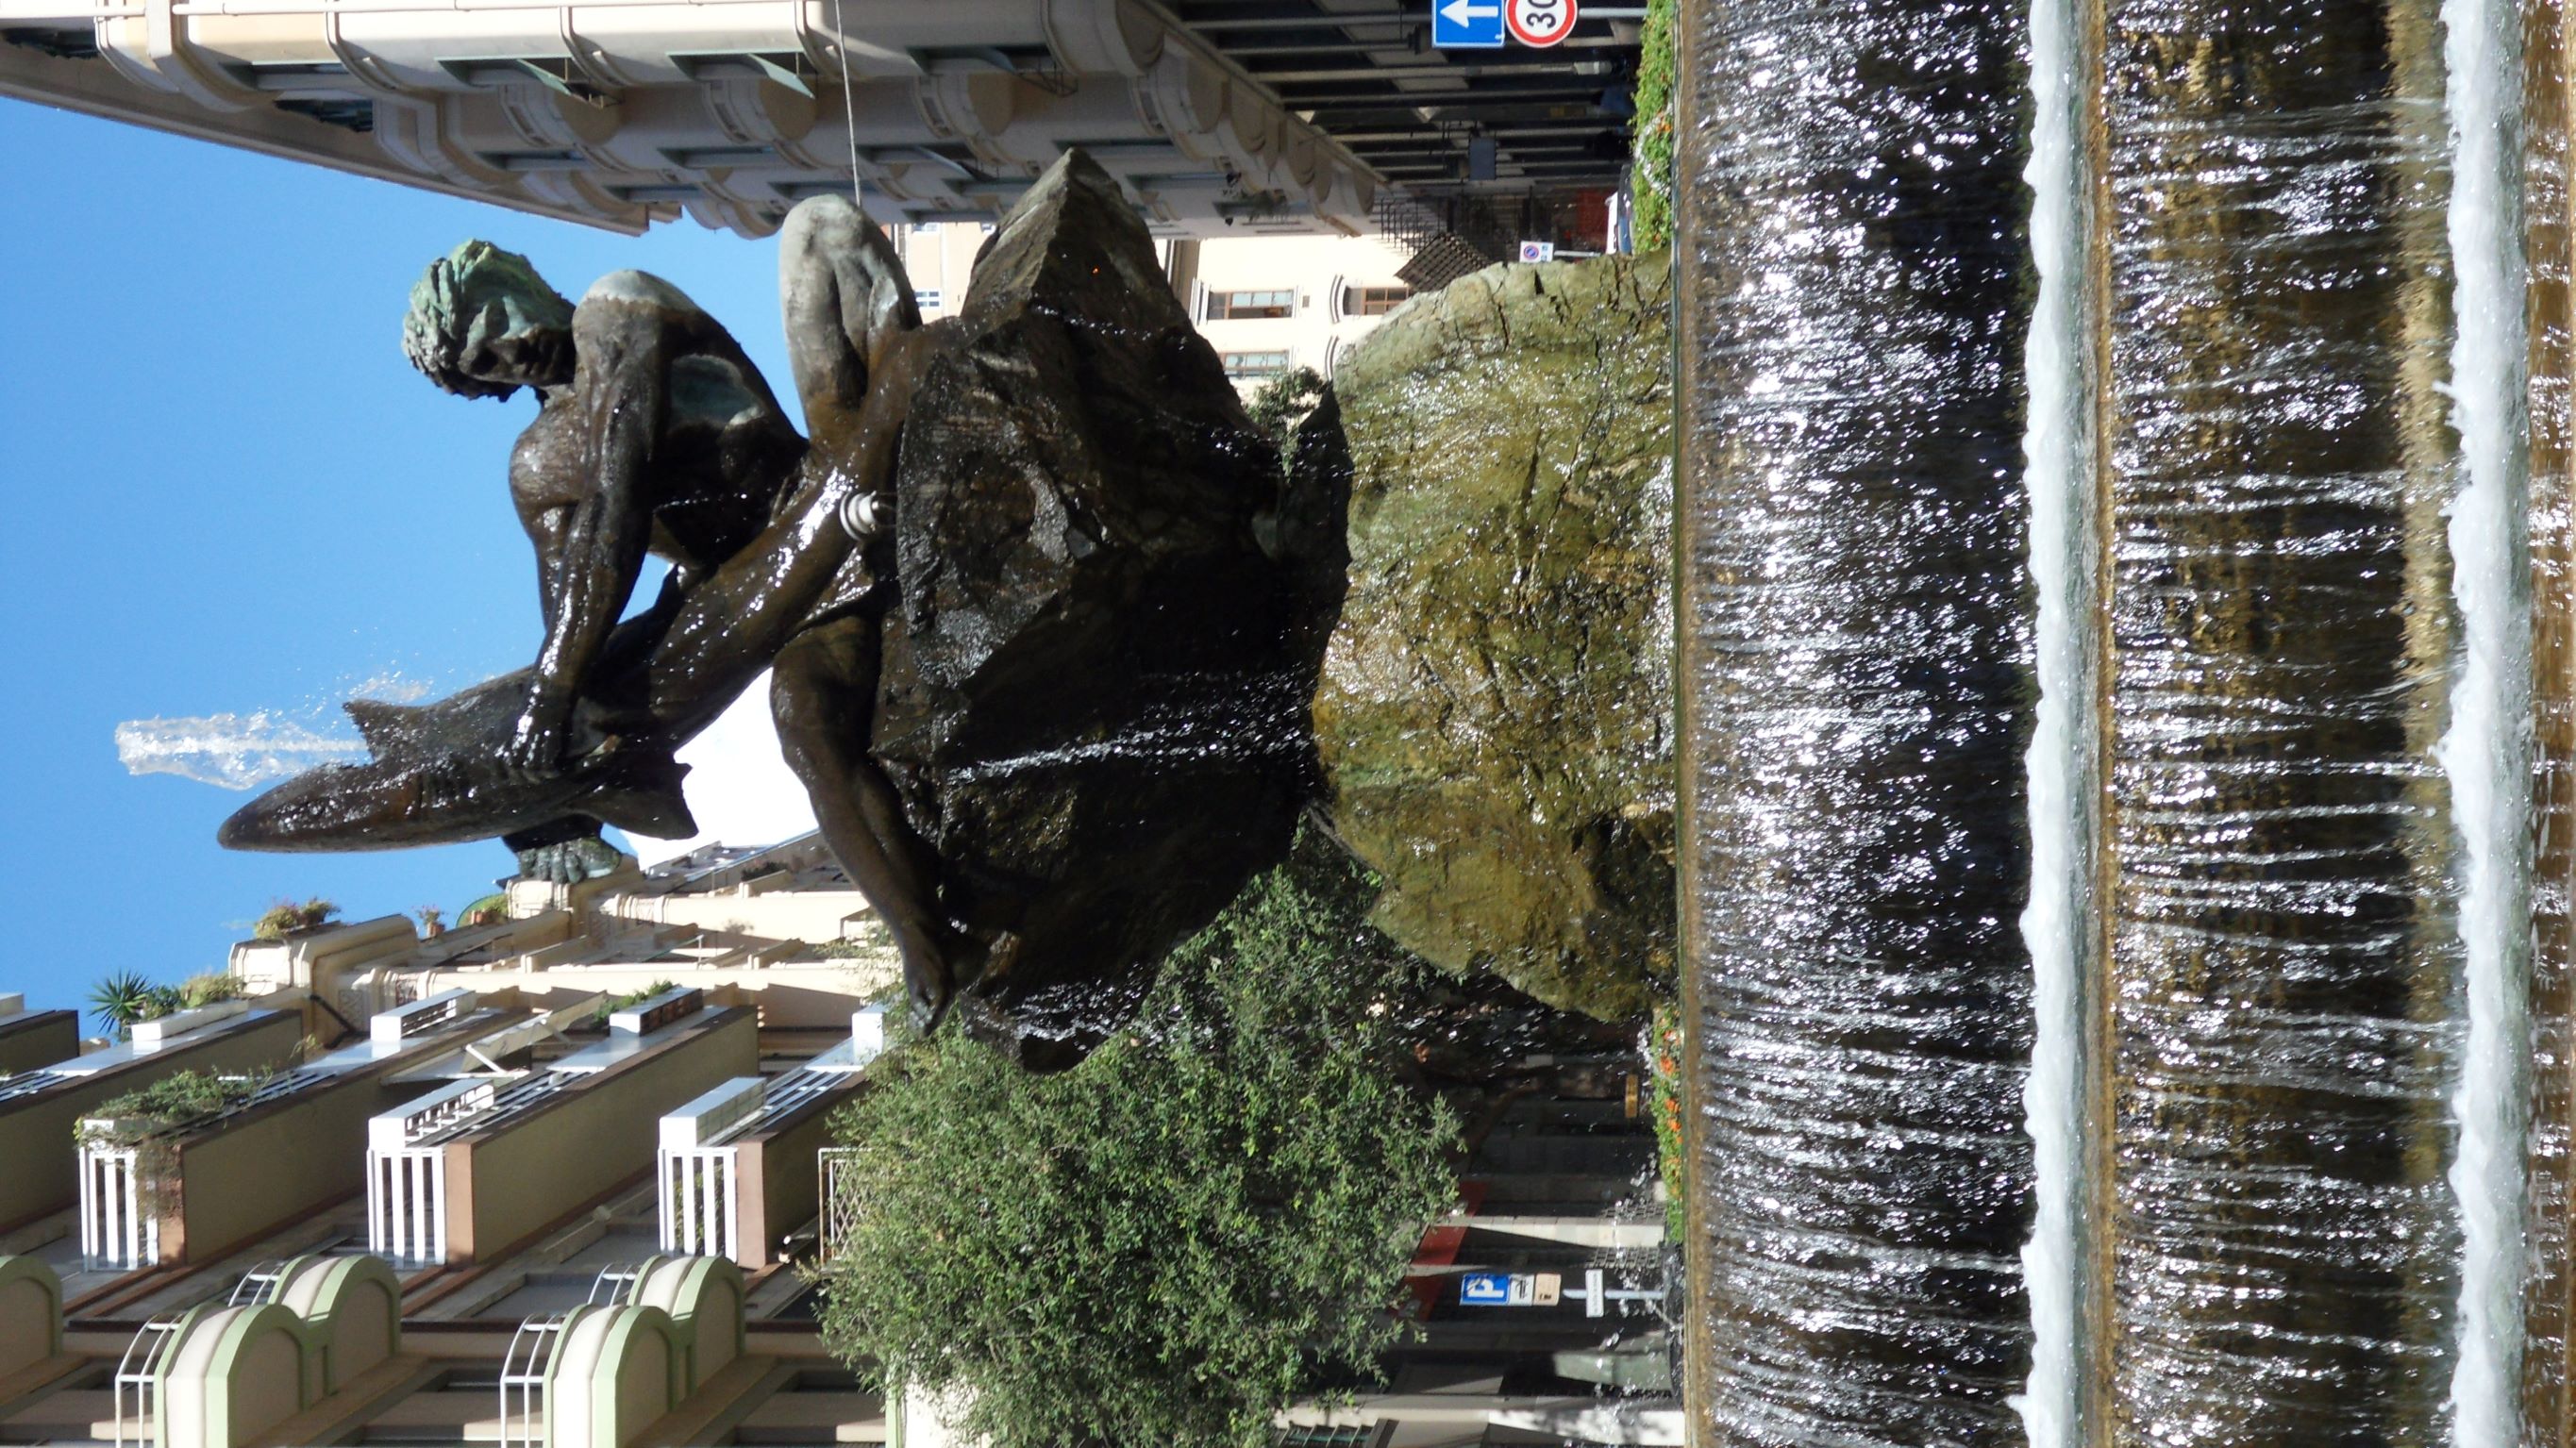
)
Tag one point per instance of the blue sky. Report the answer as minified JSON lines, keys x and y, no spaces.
{"x":228,"y":492}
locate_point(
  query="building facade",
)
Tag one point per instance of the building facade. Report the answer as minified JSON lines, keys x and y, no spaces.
{"x":554,"y":1178}
{"x":1268,"y":305}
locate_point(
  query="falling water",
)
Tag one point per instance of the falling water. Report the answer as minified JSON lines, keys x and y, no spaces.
{"x":2282,"y":953}
{"x":2064,"y":483}
{"x":2297,"y":1101}
{"x":2550,"y":528}
{"x":1855,"y":649}
{"x":232,"y":751}
{"x":2486,"y":754}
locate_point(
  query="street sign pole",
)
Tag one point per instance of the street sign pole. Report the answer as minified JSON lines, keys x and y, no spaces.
{"x":1596,"y":1296}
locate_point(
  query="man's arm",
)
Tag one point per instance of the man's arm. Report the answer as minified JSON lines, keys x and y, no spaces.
{"x":622,"y":390}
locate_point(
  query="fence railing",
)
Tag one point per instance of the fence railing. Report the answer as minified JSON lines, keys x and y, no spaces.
{"x":118,"y":1229}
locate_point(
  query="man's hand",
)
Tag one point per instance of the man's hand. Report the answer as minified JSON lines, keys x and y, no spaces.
{"x":536,"y":747}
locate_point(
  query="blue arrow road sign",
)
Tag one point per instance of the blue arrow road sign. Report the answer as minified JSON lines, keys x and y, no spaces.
{"x":1467,"y":25}
{"x":1485,"y":1289}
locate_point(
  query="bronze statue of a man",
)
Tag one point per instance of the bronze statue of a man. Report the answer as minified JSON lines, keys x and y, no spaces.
{"x":655,"y":432}
{"x":1050,"y":745}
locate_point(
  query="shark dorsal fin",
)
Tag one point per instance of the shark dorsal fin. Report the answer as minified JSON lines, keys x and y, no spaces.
{"x":383,"y":726}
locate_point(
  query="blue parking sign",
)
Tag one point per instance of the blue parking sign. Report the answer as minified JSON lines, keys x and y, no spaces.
{"x":1467,"y":25}
{"x":1485,"y":1289}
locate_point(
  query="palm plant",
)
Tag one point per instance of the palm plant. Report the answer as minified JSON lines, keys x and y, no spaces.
{"x":121,"y":999}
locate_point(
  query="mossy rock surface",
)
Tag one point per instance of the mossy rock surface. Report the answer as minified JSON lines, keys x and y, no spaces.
{"x":1495,"y":715}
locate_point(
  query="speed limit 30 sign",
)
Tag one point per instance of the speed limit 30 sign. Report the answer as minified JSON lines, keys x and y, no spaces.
{"x":1539,"y":22}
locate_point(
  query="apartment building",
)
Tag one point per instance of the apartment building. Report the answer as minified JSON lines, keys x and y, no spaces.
{"x":552,"y":1178}
{"x":1268,"y":304}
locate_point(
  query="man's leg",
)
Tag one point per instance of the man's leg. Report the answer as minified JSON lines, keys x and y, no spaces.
{"x":823,"y":695}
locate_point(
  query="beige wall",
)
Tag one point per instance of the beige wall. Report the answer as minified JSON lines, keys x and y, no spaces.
{"x":36,"y":1132}
{"x":816,"y":916}
{"x":31,"y":1314}
{"x":801,"y":995}
{"x":40,"y":1038}
{"x":940,"y":259}
{"x":1316,"y":331}
{"x":781,"y":1180}
{"x":266,"y":1168}
{"x":531,"y":1169}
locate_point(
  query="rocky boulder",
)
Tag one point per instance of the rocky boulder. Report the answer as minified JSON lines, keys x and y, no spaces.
{"x":1495,"y":718}
{"x":1096,"y":691}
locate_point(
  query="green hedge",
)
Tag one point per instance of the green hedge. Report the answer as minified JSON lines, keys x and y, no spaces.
{"x":1654,"y":161}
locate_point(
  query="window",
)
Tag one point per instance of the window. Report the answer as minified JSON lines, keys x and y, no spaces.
{"x":1223,"y":305}
{"x":1240,"y":365}
{"x":927,"y":299}
{"x":1373,"y":301}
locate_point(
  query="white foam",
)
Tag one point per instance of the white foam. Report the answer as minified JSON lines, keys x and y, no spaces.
{"x":232,"y":751}
{"x":2058,"y":445}
{"x":2486,"y":752}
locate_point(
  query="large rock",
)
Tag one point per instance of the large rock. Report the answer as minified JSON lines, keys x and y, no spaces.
{"x":1097,"y":683}
{"x":1495,"y":716}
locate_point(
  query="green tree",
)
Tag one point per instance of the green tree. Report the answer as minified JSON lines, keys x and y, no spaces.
{"x":1164,"y":1245}
{"x":1283,"y":402}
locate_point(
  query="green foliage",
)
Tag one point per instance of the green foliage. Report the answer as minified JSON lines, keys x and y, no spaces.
{"x":490,"y":910}
{"x":1664,"y":1102}
{"x":619,"y":1003}
{"x":1283,"y":402}
{"x":1653,"y":173}
{"x":207,"y":988}
{"x":433,"y":919}
{"x":147,"y":1119}
{"x":178,"y":1099}
{"x":286,"y":917}
{"x":121,"y":999}
{"x":1174,"y":1239}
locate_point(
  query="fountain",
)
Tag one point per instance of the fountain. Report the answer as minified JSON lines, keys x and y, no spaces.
{"x":2198,"y":469}
{"x":1855,"y":642}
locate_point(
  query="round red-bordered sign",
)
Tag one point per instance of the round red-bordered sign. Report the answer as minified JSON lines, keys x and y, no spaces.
{"x":1539,"y":22}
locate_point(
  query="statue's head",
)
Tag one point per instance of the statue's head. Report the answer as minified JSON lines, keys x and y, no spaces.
{"x":484,"y":324}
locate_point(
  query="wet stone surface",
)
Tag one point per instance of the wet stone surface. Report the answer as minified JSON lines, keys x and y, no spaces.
{"x":1495,"y":716}
{"x":1096,"y":684}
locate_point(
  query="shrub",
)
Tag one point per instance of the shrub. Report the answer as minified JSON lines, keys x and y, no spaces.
{"x":209,"y":987}
{"x":1174,"y":1239}
{"x":286,"y":917}
{"x":1283,"y":402}
{"x":1664,"y":1101}
{"x":619,"y":1003}
{"x":1652,"y":176}
{"x":148,"y":1121}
